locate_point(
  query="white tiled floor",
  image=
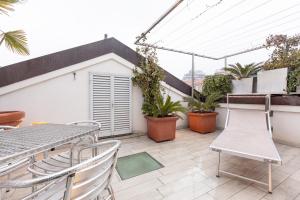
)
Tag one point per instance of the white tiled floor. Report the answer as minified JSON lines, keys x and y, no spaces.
{"x":190,"y":168}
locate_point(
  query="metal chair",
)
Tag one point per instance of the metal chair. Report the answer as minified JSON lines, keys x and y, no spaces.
{"x":87,"y":123}
{"x":4,"y":127}
{"x":66,"y":159}
{"x":87,"y":180}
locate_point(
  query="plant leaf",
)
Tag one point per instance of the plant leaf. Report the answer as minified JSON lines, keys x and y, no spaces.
{"x":15,"y":41}
{"x":7,"y":6}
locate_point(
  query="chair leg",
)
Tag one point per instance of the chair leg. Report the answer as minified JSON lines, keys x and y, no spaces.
{"x":218,"y":168}
{"x":270,"y":177}
{"x":111,"y":192}
{"x":32,"y":160}
{"x":8,"y":178}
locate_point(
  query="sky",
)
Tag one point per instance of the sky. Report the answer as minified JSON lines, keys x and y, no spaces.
{"x":210,"y":27}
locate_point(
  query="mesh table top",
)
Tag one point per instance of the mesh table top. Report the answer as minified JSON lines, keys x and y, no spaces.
{"x":27,"y":141}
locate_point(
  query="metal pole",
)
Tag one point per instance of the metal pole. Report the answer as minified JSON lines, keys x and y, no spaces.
{"x":159,"y":20}
{"x":242,"y":52}
{"x":177,"y":51}
{"x":270,"y":177}
{"x":193,"y":74}
{"x":225,"y":62}
{"x":218,"y":167}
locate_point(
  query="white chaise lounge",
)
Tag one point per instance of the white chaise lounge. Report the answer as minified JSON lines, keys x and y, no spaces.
{"x":248,"y":134}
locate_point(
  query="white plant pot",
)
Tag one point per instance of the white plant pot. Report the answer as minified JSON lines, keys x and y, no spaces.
{"x":242,"y":86}
{"x":272,"y":81}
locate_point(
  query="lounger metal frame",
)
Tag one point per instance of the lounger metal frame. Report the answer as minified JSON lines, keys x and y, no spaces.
{"x":254,"y":157}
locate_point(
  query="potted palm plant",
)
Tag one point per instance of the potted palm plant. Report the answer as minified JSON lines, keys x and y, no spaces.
{"x":161,"y":118}
{"x":160,"y":114}
{"x":202,"y":115}
{"x":243,"y":76}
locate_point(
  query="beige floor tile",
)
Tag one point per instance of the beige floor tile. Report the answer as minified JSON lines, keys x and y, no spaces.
{"x":296,"y":175}
{"x":178,"y":167}
{"x":278,"y":176}
{"x":138,"y":190}
{"x":149,"y":195}
{"x":121,"y":185}
{"x":297,"y":198}
{"x":189,"y":193}
{"x":288,"y":190}
{"x":175,"y":186}
{"x":205,"y":197}
{"x":214,"y":182}
{"x":249,"y":193}
{"x":195,"y":172}
{"x":228,"y":189}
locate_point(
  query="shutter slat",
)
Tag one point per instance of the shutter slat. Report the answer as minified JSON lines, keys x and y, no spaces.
{"x":122,"y":103}
{"x":101,"y":100}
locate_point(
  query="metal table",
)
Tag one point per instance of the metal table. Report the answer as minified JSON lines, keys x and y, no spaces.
{"x":27,"y":141}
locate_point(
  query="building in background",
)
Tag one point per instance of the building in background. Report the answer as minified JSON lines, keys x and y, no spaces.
{"x":220,"y":71}
{"x":198,"y":79}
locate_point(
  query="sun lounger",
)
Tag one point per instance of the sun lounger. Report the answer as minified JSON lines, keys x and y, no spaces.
{"x":248,"y":134}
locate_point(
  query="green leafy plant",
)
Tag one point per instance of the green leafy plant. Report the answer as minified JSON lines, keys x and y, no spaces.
{"x":217,"y":84}
{"x":147,"y":76}
{"x":166,"y":108}
{"x":197,"y":104}
{"x":293,"y":80}
{"x":15,"y":41}
{"x":238,"y":71}
{"x":286,"y":52}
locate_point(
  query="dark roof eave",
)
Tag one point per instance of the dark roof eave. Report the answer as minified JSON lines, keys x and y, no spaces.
{"x":41,"y":65}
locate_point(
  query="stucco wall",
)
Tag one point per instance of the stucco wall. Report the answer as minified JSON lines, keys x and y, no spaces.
{"x":285,"y":121}
{"x":62,"y":96}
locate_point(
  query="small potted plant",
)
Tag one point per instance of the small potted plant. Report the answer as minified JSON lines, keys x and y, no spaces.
{"x":202,"y":115}
{"x":161,"y":118}
{"x":243,"y":76}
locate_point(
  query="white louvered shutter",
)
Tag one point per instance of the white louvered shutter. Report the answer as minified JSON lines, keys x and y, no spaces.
{"x":111,"y":103}
{"x":101,"y":110}
{"x":122,"y":105}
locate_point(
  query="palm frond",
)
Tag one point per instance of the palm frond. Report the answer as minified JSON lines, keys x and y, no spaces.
{"x":164,"y":108}
{"x":208,"y":105}
{"x":238,"y":71}
{"x":211,"y":101}
{"x":7,"y":6}
{"x":15,"y":41}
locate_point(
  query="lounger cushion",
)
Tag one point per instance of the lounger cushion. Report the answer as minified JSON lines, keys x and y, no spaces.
{"x":257,"y":146}
{"x":247,"y":136}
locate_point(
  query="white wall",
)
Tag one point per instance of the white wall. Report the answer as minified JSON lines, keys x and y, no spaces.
{"x":59,"y":97}
{"x":177,"y":96}
{"x":285,"y":121}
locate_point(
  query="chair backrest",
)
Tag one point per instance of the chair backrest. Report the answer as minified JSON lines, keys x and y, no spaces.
{"x":246,"y":119}
{"x":91,"y":181}
{"x":3,"y":128}
{"x":86,"y":180}
{"x":85,"y":123}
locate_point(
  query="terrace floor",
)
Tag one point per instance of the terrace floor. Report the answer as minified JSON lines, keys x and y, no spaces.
{"x":190,"y":169}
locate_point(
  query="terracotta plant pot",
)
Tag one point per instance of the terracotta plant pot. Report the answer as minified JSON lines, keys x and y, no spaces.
{"x":202,"y":122}
{"x":161,"y":129}
{"x":11,"y":118}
